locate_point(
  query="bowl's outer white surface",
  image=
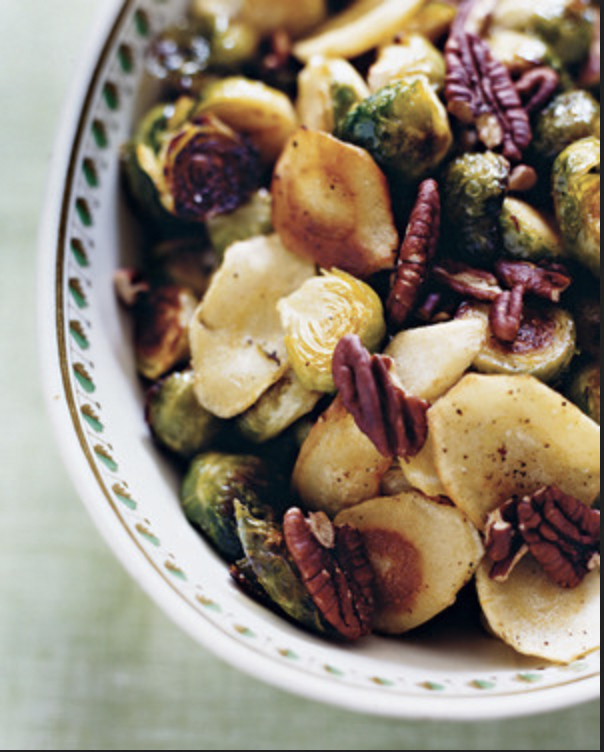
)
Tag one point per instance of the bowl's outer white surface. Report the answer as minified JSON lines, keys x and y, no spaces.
{"x":131,"y":493}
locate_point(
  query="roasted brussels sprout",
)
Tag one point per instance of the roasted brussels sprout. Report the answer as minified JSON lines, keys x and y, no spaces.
{"x":183,"y":261}
{"x":249,"y":221}
{"x":279,"y":408}
{"x":175,"y":417}
{"x":566,"y":25}
{"x":404,"y":126}
{"x":474,"y":191}
{"x":570,"y":117}
{"x":262,"y":113}
{"x":587,"y":312}
{"x":185,"y":55}
{"x":528,"y":233}
{"x":584,"y":390}
{"x":576,"y":181}
{"x":411,"y":55}
{"x":328,"y":88}
{"x":544,"y":348}
{"x":213,"y":484}
{"x":316,"y":317}
{"x":161,"y":329}
{"x":267,"y":555}
{"x":519,"y":51}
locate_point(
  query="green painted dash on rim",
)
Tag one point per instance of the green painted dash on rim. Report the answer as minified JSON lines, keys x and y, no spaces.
{"x":141,"y":21}
{"x":90,"y":172}
{"x":333,"y":670}
{"x":209,"y":604}
{"x":382,"y":682}
{"x":122,"y":495}
{"x":111,"y":95}
{"x":84,"y":212}
{"x":77,"y":292}
{"x":126,"y":58}
{"x":433,"y":686}
{"x":79,"y":252}
{"x":83,"y":378}
{"x":483,"y":684}
{"x":530,"y":678}
{"x":106,"y":458}
{"x":175,"y":571}
{"x":289,"y":654}
{"x":99,"y":133}
{"x":244,"y":631}
{"x":93,"y":421}
{"x":79,"y":335}
{"x":147,"y":534}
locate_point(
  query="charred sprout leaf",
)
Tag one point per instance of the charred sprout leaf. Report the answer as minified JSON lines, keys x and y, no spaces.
{"x":267,"y":554}
{"x":177,"y":420}
{"x":249,"y":221}
{"x":404,"y":126}
{"x":528,"y":233}
{"x":584,"y":390}
{"x":570,"y":117}
{"x":214,"y":483}
{"x":185,"y":261}
{"x":316,"y":317}
{"x":576,"y":180}
{"x":328,"y":88}
{"x":474,"y":191}
{"x":161,"y":330}
{"x":410,"y":55}
{"x":544,"y":347}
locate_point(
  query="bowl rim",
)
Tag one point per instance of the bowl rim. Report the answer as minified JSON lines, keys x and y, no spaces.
{"x":106,"y":517}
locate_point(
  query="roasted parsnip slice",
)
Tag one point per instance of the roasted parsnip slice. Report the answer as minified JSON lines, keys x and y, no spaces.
{"x":422,"y":552}
{"x":236,"y":336}
{"x":538,"y":618}
{"x":331,"y":204}
{"x":496,"y":436}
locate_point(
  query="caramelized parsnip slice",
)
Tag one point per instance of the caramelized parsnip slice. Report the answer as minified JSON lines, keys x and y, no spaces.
{"x":331,"y":204}
{"x":422,"y":552}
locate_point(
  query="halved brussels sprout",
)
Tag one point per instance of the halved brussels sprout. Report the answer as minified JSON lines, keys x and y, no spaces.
{"x":278,"y":409}
{"x":566,"y":25}
{"x":175,"y":417}
{"x":358,"y":29}
{"x":264,"y":114}
{"x":327,"y":90}
{"x":266,"y":553}
{"x":422,"y":553}
{"x":544,"y":348}
{"x":212,"y":486}
{"x":571,"y":116}
{"x":161,"y":330}
{"x":576,"y":179}
{"x":584,"y":390}
{"x":332,"y":204}
{"x":237,"y":340}
{"x":404,"y":126}
{"x":319,"y":314}
{"x":529,"y":234}
{"x":410,"y":55}
{"x":473,"y":194}
{"x":249,"y":221}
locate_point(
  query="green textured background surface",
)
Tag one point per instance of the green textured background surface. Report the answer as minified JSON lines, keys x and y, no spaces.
{"x":86,"y":660}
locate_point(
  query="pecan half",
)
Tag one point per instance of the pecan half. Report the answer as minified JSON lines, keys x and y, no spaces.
{"x":506,"y":314}
{"x":561,"y":532}
{"x":335,"y":570}
{"x":479,"y":91}
{"x":466,"y":280}
{"x":547,"y":281}
{"x":394,"y":421}
{"x":537,"y":86}
{"x":416,"y":254}
{"x":130,"y":286}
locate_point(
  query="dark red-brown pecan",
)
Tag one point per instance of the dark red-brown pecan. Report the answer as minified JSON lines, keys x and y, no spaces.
{"x":335,"y":570}
{"x":416,"y":254}
{"x":547,"y":281}
{"x":504,"y":543}
{"x":394,"y":421}
{"x":479,"y":91}
{"x":537,"y":86}
{"x":466,"y":280}
{"x":560,"y":532}
{"x":506,"y":314}
{"x":130,"y":286}
{"x":437,"y":307}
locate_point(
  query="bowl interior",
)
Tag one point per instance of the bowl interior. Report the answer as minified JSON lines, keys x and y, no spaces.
{"x":445,"y":670}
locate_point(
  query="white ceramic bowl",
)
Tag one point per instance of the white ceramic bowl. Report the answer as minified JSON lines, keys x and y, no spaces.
{"x":131,"y":493}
